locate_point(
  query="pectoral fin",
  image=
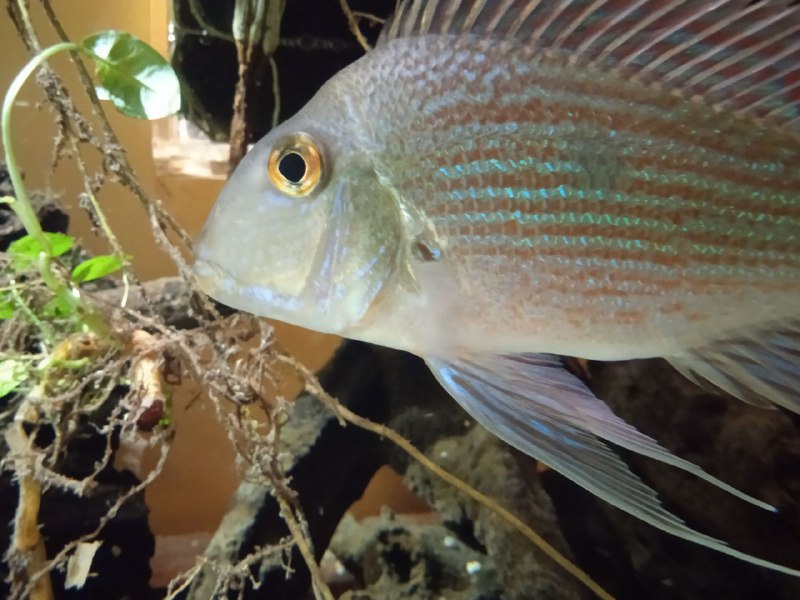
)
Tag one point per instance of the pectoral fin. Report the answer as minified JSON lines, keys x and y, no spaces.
{"x":534,"y":404}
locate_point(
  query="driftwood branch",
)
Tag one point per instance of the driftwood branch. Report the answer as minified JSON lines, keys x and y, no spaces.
{"x":256,"y":34}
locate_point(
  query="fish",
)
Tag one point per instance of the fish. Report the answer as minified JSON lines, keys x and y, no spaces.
{"x":499,"y":184}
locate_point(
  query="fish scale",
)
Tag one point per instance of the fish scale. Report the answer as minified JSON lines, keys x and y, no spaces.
{"x":502,"y":181}
{"x":462,"y":180}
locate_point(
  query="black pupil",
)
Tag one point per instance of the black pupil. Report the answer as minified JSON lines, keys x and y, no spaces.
{"x":293,"y":167}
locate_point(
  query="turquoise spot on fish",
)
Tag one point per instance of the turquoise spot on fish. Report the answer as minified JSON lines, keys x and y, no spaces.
{"x":485,"y":167}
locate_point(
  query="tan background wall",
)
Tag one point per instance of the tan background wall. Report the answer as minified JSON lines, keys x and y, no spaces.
{"x":196,"y":487}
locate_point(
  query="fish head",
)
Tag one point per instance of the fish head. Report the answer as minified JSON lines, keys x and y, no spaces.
{"x":304,"y":231}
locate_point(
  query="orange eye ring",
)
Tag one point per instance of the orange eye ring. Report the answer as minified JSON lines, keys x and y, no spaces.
{"x":287,"y":173}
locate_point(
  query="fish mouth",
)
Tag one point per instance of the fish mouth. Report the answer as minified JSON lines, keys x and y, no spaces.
{"x":259,"y":300}
{"x":210,"y":277}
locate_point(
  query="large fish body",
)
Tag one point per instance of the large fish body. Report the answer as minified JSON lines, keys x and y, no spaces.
{"x":499,"y":182}
{"x":574,"y":213}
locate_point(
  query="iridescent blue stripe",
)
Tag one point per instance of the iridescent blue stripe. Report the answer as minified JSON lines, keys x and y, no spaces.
{"x":670,"y":203}
{"x":571,"y":242}
{"x":511,"y":165}
{"x":564,"y":218}
{"x":708,"y":183}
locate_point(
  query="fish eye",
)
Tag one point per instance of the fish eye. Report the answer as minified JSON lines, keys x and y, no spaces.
{"x":295,"y":165}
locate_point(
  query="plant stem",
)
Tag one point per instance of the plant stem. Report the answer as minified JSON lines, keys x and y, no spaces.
{"x":27,"y":541}
{"x":22,"y":205}
{"x":205,"y":25}
{"x":23,"y":306}
{"x":352,"y":21}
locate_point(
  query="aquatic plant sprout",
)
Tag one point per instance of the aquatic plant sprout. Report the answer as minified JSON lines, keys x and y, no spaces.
{"x":133,"y":76}
{"x":141,"y":84}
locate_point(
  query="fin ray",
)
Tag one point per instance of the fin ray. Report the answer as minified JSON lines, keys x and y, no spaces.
{"x":534,"y":378}
{"x":696,"y":50}
{"x":541,"y":418}
{"x":762,"y":368}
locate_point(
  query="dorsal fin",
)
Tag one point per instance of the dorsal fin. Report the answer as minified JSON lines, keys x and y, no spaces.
{"x":741,"y":56}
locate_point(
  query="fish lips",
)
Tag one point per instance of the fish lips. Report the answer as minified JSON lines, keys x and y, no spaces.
{"x":214,"y":281}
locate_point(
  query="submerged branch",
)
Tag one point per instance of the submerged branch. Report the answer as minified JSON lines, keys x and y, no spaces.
{"x":490,"y":503}
{"x":27,"y":553}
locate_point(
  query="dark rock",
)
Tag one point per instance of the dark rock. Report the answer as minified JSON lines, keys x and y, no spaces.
{"x":121,"y":566}
{"x":498,"y":471}
{"x":395,"y":558}
{"x":337,"y":464}
{"x":746,"y":446}
{"x":750,"y":447}
{"x":330,"y":467}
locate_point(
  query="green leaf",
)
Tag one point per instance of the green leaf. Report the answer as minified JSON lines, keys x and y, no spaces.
{"x":58,"y":308}
{"x":7,"y":305}
{"x":12,"y":374}
{"x":25,"y":251}
{"x":136,"y":78}
{"x":96,"y":267}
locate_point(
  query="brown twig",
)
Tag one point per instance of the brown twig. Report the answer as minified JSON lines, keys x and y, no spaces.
{"x":165,"y":440}
{"x":116,"y":160}
{"x":224,"y":572}
{"x":27,"y":551}
{"x":490,"y":503}
{"x":256,"y":35}
{"x":147,"y":381}
{"x":352,"y":21}
{"x":302,"y":538}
